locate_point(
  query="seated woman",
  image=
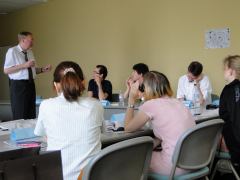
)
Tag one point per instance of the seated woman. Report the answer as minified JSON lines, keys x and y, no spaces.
{"x":169,"y":118}
{"x":98,"y":87}
{"x":71,"y":123}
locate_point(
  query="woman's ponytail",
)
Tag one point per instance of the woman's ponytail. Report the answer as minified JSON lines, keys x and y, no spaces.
{"x":71,"y":86}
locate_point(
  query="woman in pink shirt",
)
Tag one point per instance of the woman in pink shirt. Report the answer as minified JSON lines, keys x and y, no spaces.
{"x":169,"y":118}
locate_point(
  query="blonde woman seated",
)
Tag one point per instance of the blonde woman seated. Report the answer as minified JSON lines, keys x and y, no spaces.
{"x":71,"y":123}
{"x":169,"y":118}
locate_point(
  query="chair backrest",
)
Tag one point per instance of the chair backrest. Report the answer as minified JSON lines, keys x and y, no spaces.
{"x":214,"y":97}
{"x":18,"y":153}
{"x":45,"y":166}
{"x":128,"y":160}
{"x":196,"y":148}
{"x":115,"y":97}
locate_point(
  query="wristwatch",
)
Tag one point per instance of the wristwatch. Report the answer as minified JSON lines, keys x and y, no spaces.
{"x":131,"y":106}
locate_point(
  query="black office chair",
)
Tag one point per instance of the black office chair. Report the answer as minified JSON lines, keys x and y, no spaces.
{"x":18,"y":153}
{"x":47,"y":166}
{"x":115,"y":97}
{"x":215,"y":97}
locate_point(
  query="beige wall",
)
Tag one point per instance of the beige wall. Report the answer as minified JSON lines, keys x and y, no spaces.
{"x":165,"y":34}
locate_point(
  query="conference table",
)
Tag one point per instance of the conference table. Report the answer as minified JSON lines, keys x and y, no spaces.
{"x":204,"y":116}
{"x":107,"y":138}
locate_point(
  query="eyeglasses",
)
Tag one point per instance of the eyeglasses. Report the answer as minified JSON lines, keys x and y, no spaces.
{"x":141,"y":88}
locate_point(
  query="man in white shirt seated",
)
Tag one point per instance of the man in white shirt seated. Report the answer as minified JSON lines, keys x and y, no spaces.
{"x":194,"y":76}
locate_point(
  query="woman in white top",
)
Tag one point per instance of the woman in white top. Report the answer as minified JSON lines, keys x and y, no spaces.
{"x":71,"y":123}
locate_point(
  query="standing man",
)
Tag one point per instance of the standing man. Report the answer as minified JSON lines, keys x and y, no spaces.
{"x":21,"y":68}
{"x":194,"y":76}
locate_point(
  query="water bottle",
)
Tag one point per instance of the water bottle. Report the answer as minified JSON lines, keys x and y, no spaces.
{"x":196,"y":100}
{"x":121,"y":99}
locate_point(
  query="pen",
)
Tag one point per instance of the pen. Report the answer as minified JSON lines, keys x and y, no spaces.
{"x":4,"y":129}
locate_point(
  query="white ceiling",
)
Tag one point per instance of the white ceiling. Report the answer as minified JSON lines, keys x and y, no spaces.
{"x":7,"y":6}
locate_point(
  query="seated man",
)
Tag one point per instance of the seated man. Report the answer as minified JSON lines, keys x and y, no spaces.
{"x":98,"y":87}
{"x":137,"y":75}
{"x":194,"y":76}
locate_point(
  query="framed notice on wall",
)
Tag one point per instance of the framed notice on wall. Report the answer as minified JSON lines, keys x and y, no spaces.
{"x":217,"y":38}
